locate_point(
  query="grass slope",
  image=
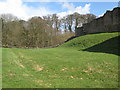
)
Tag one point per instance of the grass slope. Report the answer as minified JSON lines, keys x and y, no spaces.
{"x":72,"y":65}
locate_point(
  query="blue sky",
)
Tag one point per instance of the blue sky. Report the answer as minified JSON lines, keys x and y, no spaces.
{"x":27,"y":9}
{"x":96,"y":8}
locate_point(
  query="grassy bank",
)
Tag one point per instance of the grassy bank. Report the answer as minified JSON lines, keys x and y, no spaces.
{"x":89,"y":61}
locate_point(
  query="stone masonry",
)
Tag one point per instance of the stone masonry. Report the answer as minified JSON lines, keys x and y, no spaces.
{"x":109,"y":22}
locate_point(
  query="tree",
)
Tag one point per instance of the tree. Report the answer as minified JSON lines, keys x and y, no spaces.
{"x":70,"y":22}
{"x":76,"y":18}
{"x":64,"y":24}
{"x":40,"y":32}
{"x":1,"y":27}
{"x":90,"y":17}
{"x":48,"y":20}
{"x":8,"y":17}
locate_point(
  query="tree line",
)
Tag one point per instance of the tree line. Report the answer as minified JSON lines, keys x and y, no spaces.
{"x":39,"y":32}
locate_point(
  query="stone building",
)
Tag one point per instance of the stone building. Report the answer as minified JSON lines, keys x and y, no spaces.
{"x":109,"y":22}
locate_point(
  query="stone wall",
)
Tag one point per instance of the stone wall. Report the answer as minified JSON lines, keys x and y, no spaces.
{"x":109,"y":22}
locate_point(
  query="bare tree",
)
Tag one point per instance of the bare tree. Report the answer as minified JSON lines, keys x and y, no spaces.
{"x":70,"y":22}
{"x":8,"y":17}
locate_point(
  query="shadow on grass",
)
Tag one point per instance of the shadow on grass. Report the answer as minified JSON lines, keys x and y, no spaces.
{"x":110,"y":46}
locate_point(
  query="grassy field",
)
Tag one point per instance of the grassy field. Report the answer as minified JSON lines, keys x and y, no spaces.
{"x":89,"y":61}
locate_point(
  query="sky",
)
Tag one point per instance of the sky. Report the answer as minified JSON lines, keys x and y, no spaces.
{"x":26,"y":9}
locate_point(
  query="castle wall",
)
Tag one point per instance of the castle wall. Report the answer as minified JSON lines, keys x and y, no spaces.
{"x":109,"y":22}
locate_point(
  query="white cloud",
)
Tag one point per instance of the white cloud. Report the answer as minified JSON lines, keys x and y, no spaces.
{"x":14,"y":7}
{"x":17,"y":8}
{"x":39,"y":11}
{"x":110,"y":9}
{"x":72,"y":9}
{"x":101,"y":15}
{"x":69,"y":6}
{"x":83,"y":10}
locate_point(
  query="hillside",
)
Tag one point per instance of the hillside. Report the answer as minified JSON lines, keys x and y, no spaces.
{"x":102,"y":42}
{"x":89,"y":61}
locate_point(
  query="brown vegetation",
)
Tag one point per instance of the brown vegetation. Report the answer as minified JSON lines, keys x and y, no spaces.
{"x":38,"y":32}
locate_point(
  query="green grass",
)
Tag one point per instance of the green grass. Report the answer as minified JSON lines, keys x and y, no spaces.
{"x":72,"y":65}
